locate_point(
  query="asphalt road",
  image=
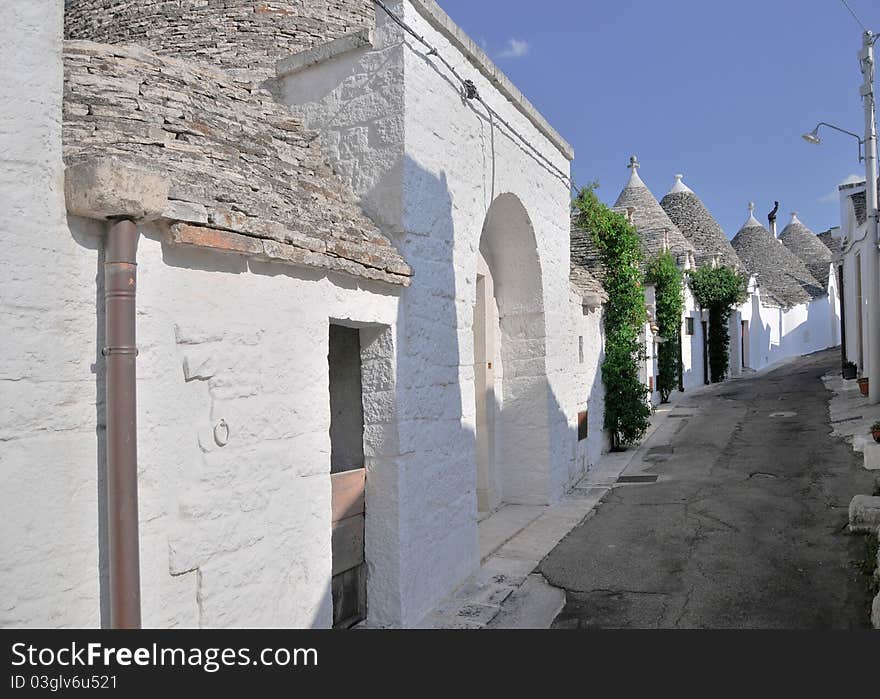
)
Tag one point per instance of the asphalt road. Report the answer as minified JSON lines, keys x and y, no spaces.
{"x":745,"y":528}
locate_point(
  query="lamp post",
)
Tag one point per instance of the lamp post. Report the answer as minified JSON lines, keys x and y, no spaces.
{"x":869,"y":144}
{"x":866,"y":59}
{"x":813,"y":136}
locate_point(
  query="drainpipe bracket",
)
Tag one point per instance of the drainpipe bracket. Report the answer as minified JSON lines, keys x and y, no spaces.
{"x":107,"y":351}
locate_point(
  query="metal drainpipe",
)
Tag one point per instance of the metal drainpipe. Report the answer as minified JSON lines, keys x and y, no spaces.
{"x":120,"y":285}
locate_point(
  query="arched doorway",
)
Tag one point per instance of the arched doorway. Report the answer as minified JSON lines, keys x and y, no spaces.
{"x":510,"y":379}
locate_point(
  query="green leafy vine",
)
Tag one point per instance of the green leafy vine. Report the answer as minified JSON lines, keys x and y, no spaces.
{"x":718,"y":289}
{"x":666,"y":277}
{"x":626,"y":408}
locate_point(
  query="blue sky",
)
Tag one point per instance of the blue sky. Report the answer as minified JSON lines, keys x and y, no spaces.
{"x":719,"y":91}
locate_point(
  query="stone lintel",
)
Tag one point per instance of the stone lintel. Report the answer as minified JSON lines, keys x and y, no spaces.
{"x":592,"y":300}
{"x":305,"y":59}
{"x":107,"y":188}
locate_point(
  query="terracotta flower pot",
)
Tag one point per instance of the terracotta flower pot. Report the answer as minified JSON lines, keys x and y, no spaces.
{"x":863,"y":386}
{"x":876,"y":435}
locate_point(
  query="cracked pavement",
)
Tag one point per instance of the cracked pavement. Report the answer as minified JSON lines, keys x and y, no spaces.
{"x":745,"y":528}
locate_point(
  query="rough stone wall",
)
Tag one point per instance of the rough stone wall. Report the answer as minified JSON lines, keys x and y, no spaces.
{"x":242,"y":36}
{"x":237,"y":160}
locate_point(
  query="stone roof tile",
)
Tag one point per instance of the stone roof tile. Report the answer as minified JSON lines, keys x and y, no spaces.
{"x":650,"y":220}
{"x":781,"y":275}
{"x":809,"y":248}
{"x":237,"y":160}
{"x":859,"y":204}
{"x":832,"y":242}
{"x":693,"y":219}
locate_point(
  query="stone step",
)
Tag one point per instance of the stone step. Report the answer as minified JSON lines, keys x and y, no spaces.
{"x":533,"y":606}
{"x":864,"y":514}
{"x":872,"y":456}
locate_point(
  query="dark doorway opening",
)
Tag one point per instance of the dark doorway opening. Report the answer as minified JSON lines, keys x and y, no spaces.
{"x":347,"y":477}
{"x":705,"y":327}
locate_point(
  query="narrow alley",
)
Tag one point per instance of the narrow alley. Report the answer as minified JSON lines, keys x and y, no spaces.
{"x":745,"y":526}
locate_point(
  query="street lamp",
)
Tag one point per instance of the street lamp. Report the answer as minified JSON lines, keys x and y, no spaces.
{"x":869,"y":142}
{"x":813,"y":136}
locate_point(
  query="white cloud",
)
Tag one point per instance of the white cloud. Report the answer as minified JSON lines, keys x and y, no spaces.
{"x":515,"y":48}
{"x":832,"y":197}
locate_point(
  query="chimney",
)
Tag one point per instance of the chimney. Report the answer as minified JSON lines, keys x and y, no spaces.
{"x":771,"y":218}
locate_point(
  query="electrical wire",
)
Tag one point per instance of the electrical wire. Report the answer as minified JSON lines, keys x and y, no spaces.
{"x":469,"y":91}
{"x":855,"y":16}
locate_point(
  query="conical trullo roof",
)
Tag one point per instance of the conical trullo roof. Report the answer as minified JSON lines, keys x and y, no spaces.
{"x":650,"y":220}
{"x":830,"y":241}
{"x":780,"y":273}
{"x":808,"y":247}
{"x":693,"y":219}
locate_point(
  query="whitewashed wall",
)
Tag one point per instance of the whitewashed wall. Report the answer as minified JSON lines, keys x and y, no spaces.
{"x":765,"y":325}
{"x":248,"y":523}
{"x":856,"y":352}
{"x":231,"y":536}
{"x":692,"y":345}
{"x":587,"y":353}
{"x":432,"y":182}
{"x":776,"y":334}
{"x":49,"y":562}
{"x":855,"y":254}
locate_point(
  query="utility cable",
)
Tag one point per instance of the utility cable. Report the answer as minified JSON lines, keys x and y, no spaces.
{"x":855,"y":16}
{"x":469,"y":91}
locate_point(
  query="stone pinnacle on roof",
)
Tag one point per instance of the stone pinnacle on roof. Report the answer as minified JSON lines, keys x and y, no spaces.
{"x":751,"y":220}
{"x":782,"y":277}
{"x":695,"y":222}
{"x":808,"y":247}
{"x":679,"y":186}
{"x":650,"y":220}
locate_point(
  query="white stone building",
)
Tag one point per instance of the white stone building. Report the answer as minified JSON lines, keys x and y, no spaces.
{"x":712,"y":246}
{"x":851,"y":258}
{"x":792,"y":306}
{"x":657,"y":233}
{"x":357,"y":323}
{"x":789,"y":312}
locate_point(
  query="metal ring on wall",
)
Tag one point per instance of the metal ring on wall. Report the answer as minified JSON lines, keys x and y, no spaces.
{"x":221,"y":433}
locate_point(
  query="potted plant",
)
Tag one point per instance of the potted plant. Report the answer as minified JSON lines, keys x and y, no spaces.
{"x":849,"y":370}
{"x":875,"y":431}
{"x":863,"y":385}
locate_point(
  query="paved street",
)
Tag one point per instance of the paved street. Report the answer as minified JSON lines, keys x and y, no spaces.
{"x":745,"y":527}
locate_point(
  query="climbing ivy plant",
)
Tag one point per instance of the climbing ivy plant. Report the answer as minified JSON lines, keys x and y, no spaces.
{"x":718,"y":289}
{"x":626,"y":408}
{"x":666,"y":277}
